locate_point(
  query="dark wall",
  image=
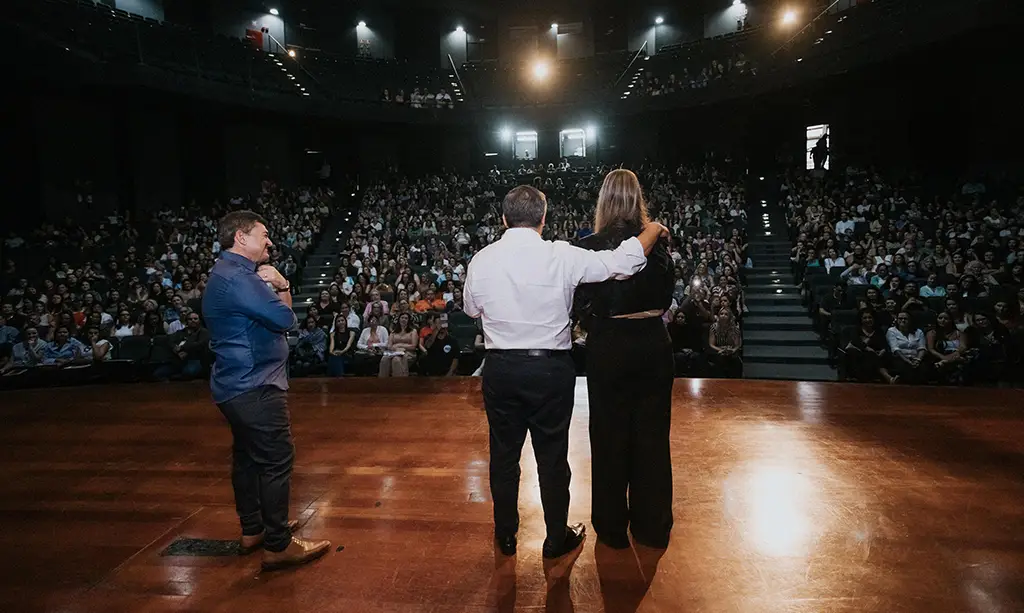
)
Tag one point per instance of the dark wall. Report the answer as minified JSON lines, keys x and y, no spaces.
{"x":142,"y":149}
{"x":76,"y":141}
{"x":155,"y":157}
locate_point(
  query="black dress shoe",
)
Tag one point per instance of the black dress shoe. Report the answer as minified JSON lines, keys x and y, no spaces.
{"x":615,"y":541}
{"x":507,"y":544}
{"x":574,"y":535}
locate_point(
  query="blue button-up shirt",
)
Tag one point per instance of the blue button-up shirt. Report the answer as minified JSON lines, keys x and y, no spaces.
{"x":247,"y":323}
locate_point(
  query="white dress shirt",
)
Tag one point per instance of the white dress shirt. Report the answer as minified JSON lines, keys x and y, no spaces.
{"x":522,"y":286}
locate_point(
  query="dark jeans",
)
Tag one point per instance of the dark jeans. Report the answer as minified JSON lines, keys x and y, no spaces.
{"x":336,"y":365}
{"x":630,"y":371}
{"x":262,"y":462}
{"x":535,"y":394}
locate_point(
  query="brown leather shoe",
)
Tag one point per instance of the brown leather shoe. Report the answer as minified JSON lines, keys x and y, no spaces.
{"x":250,"y":544}
{"x":299,"y":552}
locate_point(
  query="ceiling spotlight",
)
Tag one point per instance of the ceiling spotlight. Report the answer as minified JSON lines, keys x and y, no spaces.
{"x":274,"y":12}
{"x":506,"y":134}
{"x":361,"y":24}
{"x":541,"y":70}
{"x":554,"y":26}
{"x":789,"y":17}
{"x":737,"y":2}
{"x":291,"y":52}
{"x":659,"y":20}
{"x":459,"y":29}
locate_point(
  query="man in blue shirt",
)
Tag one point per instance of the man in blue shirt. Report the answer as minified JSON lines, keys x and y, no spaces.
{"x":247,"y":321}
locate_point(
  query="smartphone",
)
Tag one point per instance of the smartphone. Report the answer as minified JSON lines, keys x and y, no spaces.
{"x":444,"y":318}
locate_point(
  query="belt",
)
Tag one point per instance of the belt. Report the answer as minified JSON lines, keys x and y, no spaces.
{"x":533,"y":353}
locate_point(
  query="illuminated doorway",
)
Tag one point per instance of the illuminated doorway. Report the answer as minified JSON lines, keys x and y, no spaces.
{"x":525,"y":146}
{"x":817,"y":147}
{"x":573,"y":143}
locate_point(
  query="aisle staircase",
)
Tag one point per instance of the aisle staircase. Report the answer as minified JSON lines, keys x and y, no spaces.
{"x":321,"y":263}
{"x":778,"y":336}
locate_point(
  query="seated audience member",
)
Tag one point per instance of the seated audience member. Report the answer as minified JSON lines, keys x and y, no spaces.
{"x":153,"y":325}
{"x":855,"y":275}
{"x":375,"y":302}
{"x":377,"y":310}
{"x":455,"y":305}
{"x":402,"y":344}
{"x":30,"y":351}
{"x":374,"y":337}
{"x":442,"y":357}
{"x":309,"y":350}
{"x":686,"y":344}
{"x":8,"y":334}
{"x":64,"y":350}
{"x":906,"y":344}
{"x":351,"y":318}
{"x":94,"y":347}
{"x":191,"y":347}
{"x":913,"y":303}
{"x":726,"y":343}
{"x":829,"y":305}
{"x":343,"y":341}
{"x":961,"y":320}
{"x":949,"y":349}
{"x":990,"y":340}
{"x":932,"y":289}
{"x":430,"y":322}
{"x":430,"y":302}
{"x":867,"y":352}
{"x":123,"y":326}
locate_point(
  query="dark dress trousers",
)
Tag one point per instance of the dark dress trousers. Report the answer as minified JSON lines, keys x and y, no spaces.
{"x":630,"y":371}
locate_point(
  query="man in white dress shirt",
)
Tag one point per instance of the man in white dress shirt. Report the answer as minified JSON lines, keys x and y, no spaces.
{"x":522,"y":287}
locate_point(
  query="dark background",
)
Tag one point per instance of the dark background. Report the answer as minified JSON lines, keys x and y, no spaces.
{"x":941,"y":110}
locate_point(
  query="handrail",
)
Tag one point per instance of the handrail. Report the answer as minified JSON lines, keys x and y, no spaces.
{"x":458,"y":77}
{"x":630,"y":64}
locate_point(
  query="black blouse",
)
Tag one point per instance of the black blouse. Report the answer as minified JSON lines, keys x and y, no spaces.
{"x":649,"y":289}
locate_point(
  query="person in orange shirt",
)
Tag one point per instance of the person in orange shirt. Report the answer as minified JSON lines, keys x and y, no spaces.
{"x":430,"y":302}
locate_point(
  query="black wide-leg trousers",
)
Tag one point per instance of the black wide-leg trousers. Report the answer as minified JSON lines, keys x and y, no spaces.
{"x":630,"y":370}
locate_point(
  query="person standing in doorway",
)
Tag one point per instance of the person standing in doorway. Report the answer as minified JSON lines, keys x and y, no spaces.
{"x":522,"y":287}
{"x":247,"y":322}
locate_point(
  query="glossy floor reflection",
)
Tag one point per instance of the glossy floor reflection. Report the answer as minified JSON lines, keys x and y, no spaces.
{"x":789,"y":497}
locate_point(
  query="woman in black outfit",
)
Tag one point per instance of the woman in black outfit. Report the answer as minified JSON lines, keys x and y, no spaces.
{"x":629,"y":377}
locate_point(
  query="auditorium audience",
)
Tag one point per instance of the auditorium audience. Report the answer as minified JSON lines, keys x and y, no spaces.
{"x":947,"y":268}
{"x":73,"y":291}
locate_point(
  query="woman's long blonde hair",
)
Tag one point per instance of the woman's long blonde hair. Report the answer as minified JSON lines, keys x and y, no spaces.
{"x":620,"y":201}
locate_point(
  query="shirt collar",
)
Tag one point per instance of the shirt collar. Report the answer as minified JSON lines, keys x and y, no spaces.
{"x":521,"y":234}
{"x":240,"y":260}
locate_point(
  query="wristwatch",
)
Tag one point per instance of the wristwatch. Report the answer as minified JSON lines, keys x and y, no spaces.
{"x":284,"y":289}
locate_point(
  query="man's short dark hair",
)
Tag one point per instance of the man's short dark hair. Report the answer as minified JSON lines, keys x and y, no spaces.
{"x":524,"y":207}
{"x":233,"y":222}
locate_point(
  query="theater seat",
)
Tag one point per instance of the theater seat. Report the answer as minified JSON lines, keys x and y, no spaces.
{"x":161,"y":351}
{"x":134,"y":348}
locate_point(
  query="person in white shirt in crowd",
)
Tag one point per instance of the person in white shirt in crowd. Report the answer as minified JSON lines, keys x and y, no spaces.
{"x":906,"y":343}
{"x":522,"y":287}
{"x":373,"y":338}
{"x":833,"y":260}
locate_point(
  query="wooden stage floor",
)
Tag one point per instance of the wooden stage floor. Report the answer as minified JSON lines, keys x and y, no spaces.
{"x":789,"y":497}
